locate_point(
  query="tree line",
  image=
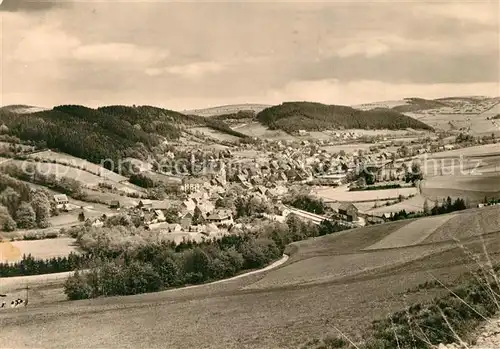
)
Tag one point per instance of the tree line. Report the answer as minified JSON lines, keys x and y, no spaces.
{"x":29,"y":265}
{"x":447,"y":206}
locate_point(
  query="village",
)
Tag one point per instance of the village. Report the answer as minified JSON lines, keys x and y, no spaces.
{"x":220,"y":192}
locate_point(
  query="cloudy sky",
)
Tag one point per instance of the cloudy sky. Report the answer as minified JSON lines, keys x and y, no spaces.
{"x":184,"y":55}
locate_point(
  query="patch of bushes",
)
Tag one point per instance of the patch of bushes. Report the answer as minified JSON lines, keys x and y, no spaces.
{"x":308,"y":203}
{"x":40,"y":235}
{"x":376,"y":187}
{"x":446,"y":319}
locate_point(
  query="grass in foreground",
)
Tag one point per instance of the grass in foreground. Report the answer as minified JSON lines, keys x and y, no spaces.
{"x":448,"y":319}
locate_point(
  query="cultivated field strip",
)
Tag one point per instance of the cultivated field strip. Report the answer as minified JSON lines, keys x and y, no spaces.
{"x":412,"y":234}
{"x":344,"y":195}
{"x":78,"y":162}
{"x":324,"y":269}
{"x":42,"y":249}
{"x":468,"y":224}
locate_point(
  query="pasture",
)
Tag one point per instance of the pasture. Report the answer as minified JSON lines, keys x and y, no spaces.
{"x":87,"y":179}
{"x":43,"y":249}
{"x":468,"y":224}
{"x":78,"y":163}
{"x":477,"y":123}
{"x":226,"y":109}
{"x":474,"y":188}
{"x":413,"y":233}
{"x":413,"y":204}
{"x":214,"y":134}
{"x":342,"y":194}
{"x":256,"y":129}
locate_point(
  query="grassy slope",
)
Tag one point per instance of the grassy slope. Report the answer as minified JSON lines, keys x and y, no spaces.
{"x":294,"y":116}
{"x":418,"y":104}
{"x":226,"y":316}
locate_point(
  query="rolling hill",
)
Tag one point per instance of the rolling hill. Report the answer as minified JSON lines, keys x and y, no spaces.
{"x":110,"y":132}
{"x":227,"y":109}
{"x":21,"y":108}
{"x":294,"y":116}
{"x":471,"y":105}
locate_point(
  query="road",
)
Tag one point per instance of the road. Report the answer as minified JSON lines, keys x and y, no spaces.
{"x":17,"y":283}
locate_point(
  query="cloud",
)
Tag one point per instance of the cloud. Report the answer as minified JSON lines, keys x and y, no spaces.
{"x":368,"y":49}
{"x":192,"y":70}
{"x":481,"y":12}
{"x":119,"y":52}
{"x":47,"y":42}
{"x":362,"y":91}
{"x":29,"y":5}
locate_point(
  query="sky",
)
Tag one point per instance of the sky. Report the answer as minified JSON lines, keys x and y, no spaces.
{"x":185,"y":54}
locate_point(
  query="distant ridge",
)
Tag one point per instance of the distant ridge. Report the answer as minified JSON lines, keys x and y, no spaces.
{"x":227,"y":109}
{"x":22,"y":108}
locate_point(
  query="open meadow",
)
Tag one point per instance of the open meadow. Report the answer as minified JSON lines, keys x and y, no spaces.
{"x":470,"y":188}
{"x":413,"y":204}
{"x":328,"y":281}
{"x":256,"y":129}
{"x":86,"y":178}
{"x":79,"y":163}
{"x":342,"y":194}
{"x":42,"y":249}
{"x":211,"y":133}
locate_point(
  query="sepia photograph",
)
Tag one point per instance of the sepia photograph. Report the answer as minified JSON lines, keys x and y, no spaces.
{"x":249,"y":174}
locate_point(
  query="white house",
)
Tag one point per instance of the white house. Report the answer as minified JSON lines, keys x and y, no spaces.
{"x":190,"y":185}
{"x":61,"y":200}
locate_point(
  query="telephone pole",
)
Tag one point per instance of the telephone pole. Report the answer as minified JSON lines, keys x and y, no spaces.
{"x":27,"y":295}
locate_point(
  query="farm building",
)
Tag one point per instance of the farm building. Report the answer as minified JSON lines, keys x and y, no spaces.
{"x":159,"y":215}
{"x":114,"y":204}
{"x":145,"y":204}
{"x":220,"y":217}
{"x":61,"y":200}
{"x":348,"y":212}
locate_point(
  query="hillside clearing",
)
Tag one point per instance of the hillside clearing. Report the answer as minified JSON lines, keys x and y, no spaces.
{"x":343,"y":194}
{"x":214,"y":134}
{"x":43,"y":249}
{"x":256,"y":129}
{"x":413,"y":204}
{"x":72,"y":161}
{"x":87,"y":179}
{"x":329,"y":268}
{"x":470,"y":223}
{"x":413,"y":233}
{"x":473,"y":187}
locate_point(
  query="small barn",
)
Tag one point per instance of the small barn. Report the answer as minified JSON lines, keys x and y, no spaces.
{"x":348,"y":212}
{"x":114,"y":204}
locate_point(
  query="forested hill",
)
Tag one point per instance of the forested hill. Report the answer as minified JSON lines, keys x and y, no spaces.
{"x":294,"y":116}
{"x":105,"y":133}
